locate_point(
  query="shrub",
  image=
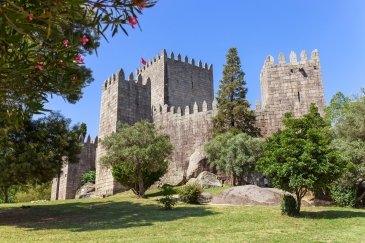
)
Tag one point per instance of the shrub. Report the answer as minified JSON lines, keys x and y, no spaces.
{"x":168,"y":201}
{"x":344,"y":196}
{"x":88,"y":176}
{"x":190,"y":193}
{"x":289,"y":205}
{"x":34,"y":192}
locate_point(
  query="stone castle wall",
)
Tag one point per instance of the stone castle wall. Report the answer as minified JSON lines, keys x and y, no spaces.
{"x":66,"y":184}
{"x":125,"y":101}
{"x":288,"y":87}
{"x":189,"y":130}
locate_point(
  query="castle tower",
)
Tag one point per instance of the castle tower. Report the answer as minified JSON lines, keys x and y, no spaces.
{"x":178,"y":81}
{"x":162,"y":84}
{"x":289,"y":87}
{"x":126,"y":101}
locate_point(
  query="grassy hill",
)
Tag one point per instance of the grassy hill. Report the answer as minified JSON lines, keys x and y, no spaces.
{"x":124,"y":218}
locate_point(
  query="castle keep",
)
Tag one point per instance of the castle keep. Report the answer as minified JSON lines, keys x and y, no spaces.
{"x":177,"y":94}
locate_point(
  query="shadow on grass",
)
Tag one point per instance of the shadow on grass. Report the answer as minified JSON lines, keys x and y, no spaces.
{"x":89,"y":216}
{"x":332,"y":214}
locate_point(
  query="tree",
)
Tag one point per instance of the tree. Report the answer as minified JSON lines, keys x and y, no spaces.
{"x":347,"y":117}
{"x":35,"y":153}
{"x":233,"y":108}
{"x":301,"y":158}
{"x":137,"y":154}
{"x":235,"y":155}
{"x":42,"y":44}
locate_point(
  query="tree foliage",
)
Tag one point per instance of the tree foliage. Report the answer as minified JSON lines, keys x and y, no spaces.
{"x":42,"y":44}
{"x":301,"y":158}
{"x":233,"y":108}
{"x":236,"y":155}
{"x":348,"y":122}
{"x":137,"y":154}
{"x":35,"y":153}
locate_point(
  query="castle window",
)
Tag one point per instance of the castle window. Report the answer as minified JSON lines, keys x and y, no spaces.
{"x":315,"y":67}
{"x":298,"y":96}
{"x":192,"y":84}
{"x":292,"y":70}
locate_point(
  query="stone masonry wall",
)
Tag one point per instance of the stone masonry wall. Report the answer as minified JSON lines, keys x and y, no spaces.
{"x":66,"y":185}
{"x":188,"y":131}
{"x":288,"y":87}
{"x":122,"y":101}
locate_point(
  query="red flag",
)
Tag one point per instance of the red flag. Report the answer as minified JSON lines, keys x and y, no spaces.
{"x":143,"y":61}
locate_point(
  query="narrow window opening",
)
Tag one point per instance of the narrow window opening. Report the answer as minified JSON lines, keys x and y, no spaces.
{"x":192,"y":84}
{"x":315,"y":67}
{"x":292,"y":70}
{"x":298,"y":96}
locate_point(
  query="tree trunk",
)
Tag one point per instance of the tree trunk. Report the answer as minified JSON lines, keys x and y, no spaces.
{"x":140,"y":180}
{"x":299,"y":199}
{"x":6,"y":194}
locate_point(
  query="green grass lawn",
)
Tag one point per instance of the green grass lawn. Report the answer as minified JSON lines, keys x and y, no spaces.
{"x":124,"y":218}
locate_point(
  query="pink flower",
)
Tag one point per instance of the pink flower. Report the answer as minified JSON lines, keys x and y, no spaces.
{"x":79,"y":59}
{"x":84,"y":40}
{"x":30,"y":17}
{"x":39,"y":67}
{"x":66,"y":43}
{"x":132,"y":21}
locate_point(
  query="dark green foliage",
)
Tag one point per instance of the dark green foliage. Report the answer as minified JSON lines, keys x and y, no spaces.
{"x":190,"y":193}
{"x":35,"y":152}
{"x":301,"y":158}
{"x":234,"y":113}
{"x":138,"y":155}
{"x":88,"y":176}
{"x":289,"y":206}
{"x":235,"y":154}
{"x":167,"y":201}
{"x":35,"y":60}
{"x":343,"y":195}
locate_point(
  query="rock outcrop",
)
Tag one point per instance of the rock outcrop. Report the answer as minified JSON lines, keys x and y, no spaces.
{"x":206,"y":180}
{"x":249,"y":195}
{"x":85,"y":191}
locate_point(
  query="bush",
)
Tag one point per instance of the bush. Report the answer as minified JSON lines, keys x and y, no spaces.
{"x":34,"y":192}
{"x":190,"y":193}
{"x":168,"y":201}
{"x":344,"y":196}
{"x":88,"y":176}
{"x":289,"y":205}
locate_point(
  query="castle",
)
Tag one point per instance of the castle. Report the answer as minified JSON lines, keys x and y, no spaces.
{"x":177,"y":95}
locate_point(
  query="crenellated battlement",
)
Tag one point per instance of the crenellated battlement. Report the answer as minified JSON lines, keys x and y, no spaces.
{"x":293,"y":60}
{"x":119,"y":77}
{"x":163,"y":57}
{"x":184,"y":111}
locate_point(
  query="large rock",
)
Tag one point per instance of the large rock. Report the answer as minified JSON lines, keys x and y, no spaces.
{"x":206,"y":180}
{"x":85,"y":191}
{"x":196,"y":163}
{"x":173,"y":178}
{"x":250,"y":195}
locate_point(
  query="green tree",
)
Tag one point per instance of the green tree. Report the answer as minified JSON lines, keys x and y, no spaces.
{"x":35,"y":153}
{"x":42,"y":44}
{"x":301,"y":158}
{"x":236,"y":155}
{"x":234,"y":113}
{"x":347,"y":117}
{"x":137,"y":154}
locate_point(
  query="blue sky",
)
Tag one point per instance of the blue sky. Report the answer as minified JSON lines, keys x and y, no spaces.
{"x":206,"y":29}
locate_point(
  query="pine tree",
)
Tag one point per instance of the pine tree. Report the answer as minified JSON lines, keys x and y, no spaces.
{"x":234,"y":112}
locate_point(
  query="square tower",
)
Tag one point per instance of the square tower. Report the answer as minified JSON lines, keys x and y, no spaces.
{"x":289,"y":87}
